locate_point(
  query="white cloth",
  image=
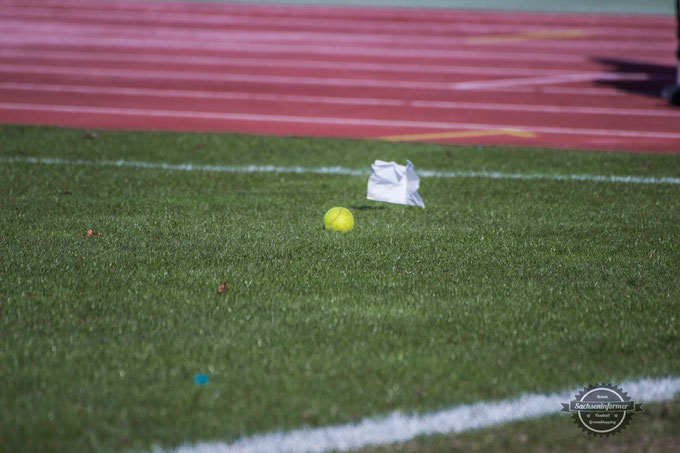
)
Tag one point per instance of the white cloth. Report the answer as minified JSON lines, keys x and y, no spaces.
{"x":394,"y":183}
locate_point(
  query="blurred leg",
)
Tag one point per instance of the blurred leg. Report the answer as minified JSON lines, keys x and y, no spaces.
{"x":677,"y":17}
{"x":672,"y":92}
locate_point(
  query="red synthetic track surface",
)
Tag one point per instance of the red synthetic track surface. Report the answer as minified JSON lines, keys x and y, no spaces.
{"x":531,"y":79}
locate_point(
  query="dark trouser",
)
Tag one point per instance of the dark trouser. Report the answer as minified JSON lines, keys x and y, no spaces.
{"x":672,"y":92}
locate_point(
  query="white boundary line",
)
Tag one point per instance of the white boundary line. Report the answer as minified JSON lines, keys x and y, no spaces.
{"x":146,"y":74}
{"x":299,"y":49}
{"x":350,"y":122}
{"x":256,"y":18}
{"x":264,"y":21}
{"x":203,"y":94}
{"x":375,"y":12}
{"x":35,"y":28}
{"x":309,"y":47}
{"x":670,"y":113}
{"x":547,"y":80}
{"x":149,"y":74}
{"x":189,"y":167}
{"x":276,"y":62}
{"x":399,"y":427}
{"x":365,"y":101}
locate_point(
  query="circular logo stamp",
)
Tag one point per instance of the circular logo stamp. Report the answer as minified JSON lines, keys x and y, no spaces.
{"x":602,"y":409}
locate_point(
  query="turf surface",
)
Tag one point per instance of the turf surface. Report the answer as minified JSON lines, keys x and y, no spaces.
{"x":498,"y":287}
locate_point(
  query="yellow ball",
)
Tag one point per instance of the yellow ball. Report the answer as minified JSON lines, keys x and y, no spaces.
{"x":338,"y":219}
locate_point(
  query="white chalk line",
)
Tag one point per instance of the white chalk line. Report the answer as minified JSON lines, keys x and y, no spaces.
{"x":147,"y":74}
{"x":275,"y":62}
{"x":464,"y":32}
{"x":286,"y":98}
{"x":542,"y":108}
{"x":152,"y":74}
{"x":571,"y":91}
{"x":555,"y":79}
{"x":307,"y":47}
{"x":199,"y":94}
{"x":301,"y":49}
{"x":341,"y":171}
{"x":350,"y":122}
{"x":400,"y":427}
{"x":266,"y":20}
{"x":557,"y":90}
{"x":35,"y":28}
{"x":373,"y":12}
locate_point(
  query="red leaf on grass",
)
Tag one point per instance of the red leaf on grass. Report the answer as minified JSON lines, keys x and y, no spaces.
{"x":91,"y":234}
{"x":222,"y":288}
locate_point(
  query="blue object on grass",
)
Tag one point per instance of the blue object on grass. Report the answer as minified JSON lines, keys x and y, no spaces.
{"x":201,"y":379}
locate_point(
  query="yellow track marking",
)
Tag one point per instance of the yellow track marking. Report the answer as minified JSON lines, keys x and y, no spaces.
{"x":529,"y":36}
{"x":459,"y":134}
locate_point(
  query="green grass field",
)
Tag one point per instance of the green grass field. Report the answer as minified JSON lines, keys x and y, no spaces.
{"x":498,"y":287}
{"x":656,"y":431}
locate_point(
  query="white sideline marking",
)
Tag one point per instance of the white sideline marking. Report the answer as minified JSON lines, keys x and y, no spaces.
{"x":397,"y":24}
{"x":571,"y":91}
{"x":108,"y":73}
{"x":302,"y":49}
{"x":15,"y":26}
{"x":340,"y":171}
{"x":548,"y":80}
{"x":354,"y":122}
{"x":284,"y":98}
{"x":399,"y":427}
{"x":272,"y":62}
{"x":202,"y":94}
{"x":579,"y":91}
{"x":540,"y":108}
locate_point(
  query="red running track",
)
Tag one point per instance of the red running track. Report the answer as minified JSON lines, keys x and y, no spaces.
{"x":531,"y":79}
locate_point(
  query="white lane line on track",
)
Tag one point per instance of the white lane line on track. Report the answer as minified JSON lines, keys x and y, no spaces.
{"x":365,"y":12}
{"x":152,"y":74}
{"x":341,"y":171}
{"x":35,"y":28}
{"x":264,"y":21}
{"x":197,"y":94}
{"x":556,"y":79}
{"x":360,"y":101}
{"x":267,"y":20}
{"x":301,"y":49}
{"x":354,"y":122}
{"x":273,"y":62}
{"x":616,"y":111}
{"x":575,"y":91}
